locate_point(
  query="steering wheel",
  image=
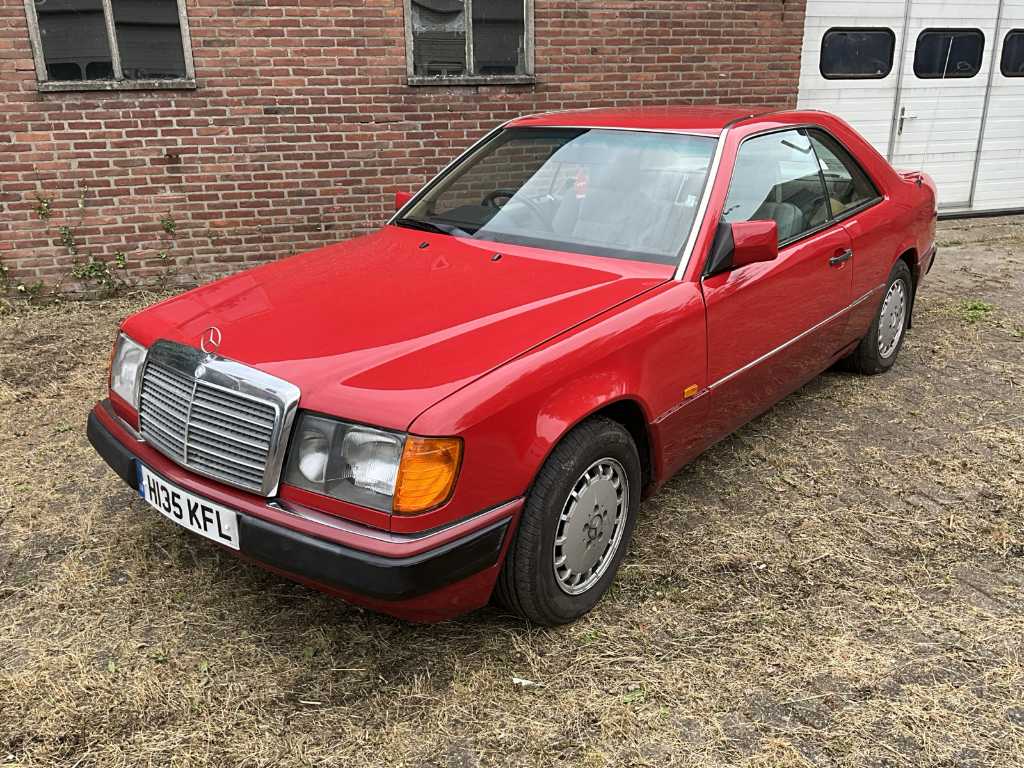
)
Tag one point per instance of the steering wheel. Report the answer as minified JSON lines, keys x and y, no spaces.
{"x":490,"y":200}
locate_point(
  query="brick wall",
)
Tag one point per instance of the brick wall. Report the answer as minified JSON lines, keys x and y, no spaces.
{"x":302,"y":124}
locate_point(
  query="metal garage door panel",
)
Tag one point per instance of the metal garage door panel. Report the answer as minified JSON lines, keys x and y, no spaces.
{"x":942,"y":118}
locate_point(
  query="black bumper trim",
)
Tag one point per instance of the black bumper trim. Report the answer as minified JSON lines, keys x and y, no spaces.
{"x":365,"y":573}
{"x":331,"y":564}
{"x":111,"y":450}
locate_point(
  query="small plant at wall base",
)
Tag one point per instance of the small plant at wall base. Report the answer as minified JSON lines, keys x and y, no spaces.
{"x":100,"y":275}
{"x":169,"y":224}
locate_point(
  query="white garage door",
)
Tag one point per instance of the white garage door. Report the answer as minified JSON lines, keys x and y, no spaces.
{"x":932,"y":84}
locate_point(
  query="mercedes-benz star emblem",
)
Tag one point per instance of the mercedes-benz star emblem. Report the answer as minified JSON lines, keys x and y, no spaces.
{"x":210,"y":340}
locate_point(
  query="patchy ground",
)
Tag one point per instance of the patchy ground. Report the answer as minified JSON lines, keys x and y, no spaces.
{"x":839,"y":584}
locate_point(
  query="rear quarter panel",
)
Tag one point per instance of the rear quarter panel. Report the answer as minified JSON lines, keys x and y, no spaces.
{"x":904,"y":221}
{"x":648,"y":350}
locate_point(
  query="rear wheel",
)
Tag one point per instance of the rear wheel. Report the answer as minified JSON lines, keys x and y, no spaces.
{"x":877,"y":351}
{"x":575,"y":527}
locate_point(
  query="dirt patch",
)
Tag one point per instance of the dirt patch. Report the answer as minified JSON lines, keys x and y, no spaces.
{"x":838,"y":584}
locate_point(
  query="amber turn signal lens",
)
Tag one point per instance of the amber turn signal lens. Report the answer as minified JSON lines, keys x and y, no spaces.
{"x":427,"y":473}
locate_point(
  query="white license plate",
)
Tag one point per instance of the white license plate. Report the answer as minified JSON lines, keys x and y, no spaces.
{"x":186,"y":509}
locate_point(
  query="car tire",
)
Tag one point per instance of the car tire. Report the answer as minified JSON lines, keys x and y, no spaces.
{"x":587,"y":496}
{"x":877,"y":351}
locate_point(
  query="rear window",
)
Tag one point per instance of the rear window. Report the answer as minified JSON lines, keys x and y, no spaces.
{"x":857,"y":53}
{"x":1012,"y":63}
{"x":947,"y":53}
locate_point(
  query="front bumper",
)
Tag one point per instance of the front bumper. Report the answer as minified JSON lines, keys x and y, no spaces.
{"x":425,"y":577}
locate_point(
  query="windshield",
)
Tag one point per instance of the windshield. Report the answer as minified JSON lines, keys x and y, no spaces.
{"x":626,"y":194}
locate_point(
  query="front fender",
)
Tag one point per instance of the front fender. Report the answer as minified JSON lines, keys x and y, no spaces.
{"x":648,"y":351}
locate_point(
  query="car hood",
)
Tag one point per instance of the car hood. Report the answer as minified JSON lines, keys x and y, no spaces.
{"x":379,"y":328}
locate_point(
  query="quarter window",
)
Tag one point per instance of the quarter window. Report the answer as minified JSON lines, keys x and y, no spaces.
{"x":856,"y":53}
{"x":469,"y":39}
{"x":776,"y":177}
{"x":847,"y":184}
{"x":110,"y":43}
{"x":947,"y":53}
{"x":1012,"y":62}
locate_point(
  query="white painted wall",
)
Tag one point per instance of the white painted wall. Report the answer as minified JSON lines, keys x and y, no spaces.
{"x":946,"y":121}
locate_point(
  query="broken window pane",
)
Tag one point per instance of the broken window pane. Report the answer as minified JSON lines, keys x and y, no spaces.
{"x":149,"y":39}
{"x":74,"y":38}
{"x":439,"y":37}
{"x":499,"y":37}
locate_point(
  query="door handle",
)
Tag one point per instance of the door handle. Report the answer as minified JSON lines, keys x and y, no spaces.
{"x":839,"y":258}
{"x":904,"y":115}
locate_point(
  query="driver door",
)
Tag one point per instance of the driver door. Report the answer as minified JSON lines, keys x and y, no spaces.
{"x":774,"y":325}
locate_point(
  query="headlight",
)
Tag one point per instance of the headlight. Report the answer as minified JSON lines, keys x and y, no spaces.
{"x":125,"y":365}
{"x":374,"y":468}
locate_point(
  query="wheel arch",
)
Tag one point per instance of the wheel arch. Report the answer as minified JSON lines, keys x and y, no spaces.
{"x":909,"y":256}
{"x":627,"y":411}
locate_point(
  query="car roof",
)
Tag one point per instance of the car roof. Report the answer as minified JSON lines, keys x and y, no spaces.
{"x":709,"y":121}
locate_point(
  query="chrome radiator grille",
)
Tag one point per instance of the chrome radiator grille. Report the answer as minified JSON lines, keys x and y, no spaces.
{"x":216,"y":417}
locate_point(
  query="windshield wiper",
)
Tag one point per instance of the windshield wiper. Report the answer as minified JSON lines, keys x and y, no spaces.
{"x":427,"y":226}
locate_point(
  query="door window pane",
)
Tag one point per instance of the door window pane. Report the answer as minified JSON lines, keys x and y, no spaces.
{"x":149,"y":39}
{"x":776,"y":177}
{"x":946,"y":53}
{"x":847,"y":184}
{"x":439,"y":37}
{"x":857,"y":53}
{"x":74,"y":38}
{"x":499,"y":37}
{"x":1012,"y":63}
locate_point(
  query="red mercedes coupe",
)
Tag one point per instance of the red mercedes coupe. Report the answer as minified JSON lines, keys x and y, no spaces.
{"x":472,"y":401}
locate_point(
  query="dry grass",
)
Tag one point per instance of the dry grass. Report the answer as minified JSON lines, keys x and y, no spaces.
{"x":839,"y":584}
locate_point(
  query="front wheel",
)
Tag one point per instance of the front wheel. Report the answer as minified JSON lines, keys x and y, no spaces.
{"x":575,"y":527}
{"x":877,"y":351}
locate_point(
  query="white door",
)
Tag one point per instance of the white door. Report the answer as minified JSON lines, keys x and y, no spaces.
{"x":1000,"y":179}
{"x":945,"y":69}
{"x":848,"y":63}
{"x":936,"y":85}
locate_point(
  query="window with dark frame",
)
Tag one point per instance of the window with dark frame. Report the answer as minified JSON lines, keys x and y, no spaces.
{"x":473,"y":40}
{"x":110,"y":43}
{"x":776,"y":176}
{"x":948,"y":53}
{"x":1012,"y":62}
{"x":857,"y":53}
{"x":848,"y":185}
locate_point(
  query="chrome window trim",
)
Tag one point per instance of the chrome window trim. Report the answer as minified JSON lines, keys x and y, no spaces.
{"x":831,"y":220}
{"x":239,"y":379}
{"x":467,"y":153}
{"x":702,"y":206}
{"x":458,"y":160}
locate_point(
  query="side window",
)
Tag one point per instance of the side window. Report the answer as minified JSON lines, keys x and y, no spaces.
{"x":946,"y":53}
{"x":776,"y":177}
{"x":847,"y":184}
{"x":857,"y":53}
{"x":1012,"y":63}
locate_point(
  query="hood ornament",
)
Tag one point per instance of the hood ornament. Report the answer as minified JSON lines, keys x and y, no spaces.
{"x":210,"y":340}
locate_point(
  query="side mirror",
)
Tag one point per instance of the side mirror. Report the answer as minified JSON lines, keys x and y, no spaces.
{"x":754,"y":241}
{"x":401,"y":198}
{"x":741,"y":243}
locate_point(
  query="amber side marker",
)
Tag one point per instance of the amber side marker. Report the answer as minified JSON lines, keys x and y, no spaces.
{"x":690,"y":391}
{"x":426,"y":473}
